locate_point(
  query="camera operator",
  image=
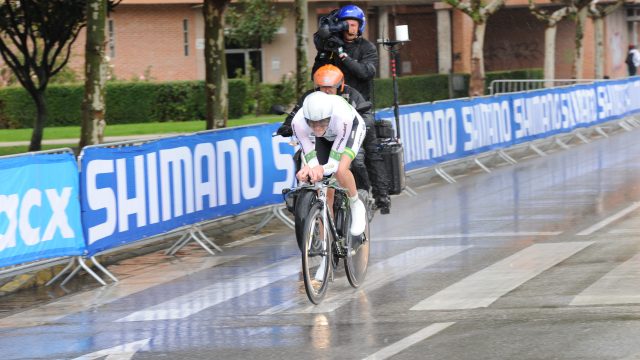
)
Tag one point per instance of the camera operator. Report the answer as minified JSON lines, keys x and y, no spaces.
{"x":339,"y":42}
{"x":369,"y":171}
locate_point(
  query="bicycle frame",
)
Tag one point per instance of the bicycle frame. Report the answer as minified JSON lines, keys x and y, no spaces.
{"x":322,"y":188}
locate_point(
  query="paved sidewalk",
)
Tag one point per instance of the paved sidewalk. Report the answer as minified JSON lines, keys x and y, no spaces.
{"x":28,"y":289}
{"x":74,"y":141}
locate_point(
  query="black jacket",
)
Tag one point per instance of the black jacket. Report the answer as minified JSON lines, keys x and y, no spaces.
{"x":359,"y":67}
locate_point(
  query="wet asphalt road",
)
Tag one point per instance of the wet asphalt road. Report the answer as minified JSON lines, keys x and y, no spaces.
{"x":539,"y":260}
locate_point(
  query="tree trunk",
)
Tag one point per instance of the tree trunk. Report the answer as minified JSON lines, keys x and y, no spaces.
{"x":476,"y":85}
{"x":599,"y":39}
{"x":550,"y":54}
{"x":216,"y":84}
{"x":301,"y":47}
{"x":577,"y":61}
{"x":93,"y":122}
{"x":41,"y":119}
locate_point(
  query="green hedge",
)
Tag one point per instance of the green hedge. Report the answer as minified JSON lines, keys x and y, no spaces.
{"x":126,"y":102}
{"x":140,"y":102}
{"x":415,"y":89}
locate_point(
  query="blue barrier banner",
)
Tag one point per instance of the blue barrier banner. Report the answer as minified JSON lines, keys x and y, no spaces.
{"x":39,"y":208}
{"x":433,"y":133}
{"x":133,"y":192}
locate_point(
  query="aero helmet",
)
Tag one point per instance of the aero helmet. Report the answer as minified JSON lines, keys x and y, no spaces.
{"x":329,"y":75}
{"x":355,"y":13}
{"x":317,"y":106}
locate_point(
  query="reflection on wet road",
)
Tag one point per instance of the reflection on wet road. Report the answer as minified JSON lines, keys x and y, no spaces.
{"x":536,"y":260}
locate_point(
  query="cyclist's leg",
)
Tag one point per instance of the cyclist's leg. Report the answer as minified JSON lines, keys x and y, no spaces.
{"x":358,"y":211}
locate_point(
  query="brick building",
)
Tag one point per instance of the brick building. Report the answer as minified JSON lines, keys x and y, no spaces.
{"x":163,"y":39}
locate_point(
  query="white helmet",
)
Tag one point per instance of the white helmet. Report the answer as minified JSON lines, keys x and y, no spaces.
{"x":317,"y":106}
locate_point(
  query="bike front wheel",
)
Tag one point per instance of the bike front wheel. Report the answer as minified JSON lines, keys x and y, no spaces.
{"x":357,"y":260}
{"x":316,"y":255}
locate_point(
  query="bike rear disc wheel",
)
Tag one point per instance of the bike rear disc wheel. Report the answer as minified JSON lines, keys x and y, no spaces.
{"x":316,"y":255}
{"x":357,"y":260}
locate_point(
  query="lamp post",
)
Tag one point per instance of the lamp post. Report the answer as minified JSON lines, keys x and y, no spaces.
{"x":393,"y":46}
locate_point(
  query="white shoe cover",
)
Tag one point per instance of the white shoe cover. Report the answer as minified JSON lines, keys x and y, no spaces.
{"x":358,"y":218}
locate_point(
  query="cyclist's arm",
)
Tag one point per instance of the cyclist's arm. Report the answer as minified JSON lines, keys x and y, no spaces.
{"x":302,"y":131}
{"x":351,"y":131}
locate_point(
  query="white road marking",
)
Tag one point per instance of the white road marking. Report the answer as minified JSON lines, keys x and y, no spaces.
{"x":147,"y":278}
{"x":595,"y":227}
{"x":120,"y":352}
{"x":471,"y":235}
{"x":410,"y":340}
{"x":247,"y":240}
{"x":634,"y":232}
{"x":486,"y":286}
{"x":378,"y":275}
{"x":619,"y":286}
{"x":221,"y":291}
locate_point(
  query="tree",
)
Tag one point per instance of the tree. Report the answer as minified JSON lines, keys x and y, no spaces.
{"x":479,"y":14}
{"x":580,"y":18}
{"x":597,"y":12}
{"x":216,"y":83}
{"x":35,"y":42}
{"x":93,"y":123}
{"x":253,"y":22}
{"x":551,"y":19}
{"x":301,"y":46}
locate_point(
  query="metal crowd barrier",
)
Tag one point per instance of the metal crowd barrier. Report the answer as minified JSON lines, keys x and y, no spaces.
{"x":193,"y":232}
{"x":511,"y":85}
{"x":626,"y":124}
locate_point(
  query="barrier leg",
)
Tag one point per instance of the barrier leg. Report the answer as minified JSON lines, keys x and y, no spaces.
{"x":206,"y":238}
{"x":103,"y":269}
{"x":284,"y":218}
{"x":537,"y":151}
{"x":506,"y":157}
{"x":581,"y":137}
{"x":200,"y":242}
{"x":477,"y":161}
{"x":82,"y":265}
{"x":410,"y":191}
{"x":444,"y":175}
{"x":625,"y":124}
{"x":601,"y":132}
{"x":561,"y":144}
{"x":277,"y":212}
{"x":270,"y":215}
{"x":62,"y":272}
{"x":189,"y":235}
{"x":175,"y":244}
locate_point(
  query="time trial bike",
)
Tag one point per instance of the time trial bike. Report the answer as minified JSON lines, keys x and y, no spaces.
{"x":324,"y":235}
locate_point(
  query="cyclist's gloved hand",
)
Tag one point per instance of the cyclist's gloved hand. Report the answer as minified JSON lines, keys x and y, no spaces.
{"x":316,"y":173}
{"x":303,"y":174}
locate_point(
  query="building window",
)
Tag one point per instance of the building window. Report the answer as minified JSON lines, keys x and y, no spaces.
{"x":185,"y":32}
{"x":112,"y":43}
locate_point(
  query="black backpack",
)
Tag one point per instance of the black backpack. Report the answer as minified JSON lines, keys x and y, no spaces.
{"x":629,"y":60}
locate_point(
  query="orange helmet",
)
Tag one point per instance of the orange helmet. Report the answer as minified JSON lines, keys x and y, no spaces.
{"x":329,"y":75}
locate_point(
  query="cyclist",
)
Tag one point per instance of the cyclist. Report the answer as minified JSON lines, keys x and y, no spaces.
{"x":339,"y":131}
{"x":330,"y":79}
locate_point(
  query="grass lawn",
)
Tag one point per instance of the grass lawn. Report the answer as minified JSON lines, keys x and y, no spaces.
{"x":73,"y":132}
